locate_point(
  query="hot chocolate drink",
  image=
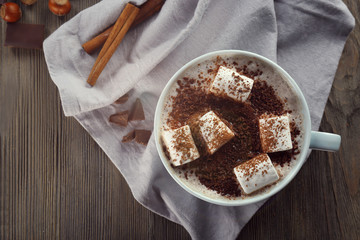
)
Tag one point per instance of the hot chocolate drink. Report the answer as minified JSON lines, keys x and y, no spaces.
{"x":231,"y":127}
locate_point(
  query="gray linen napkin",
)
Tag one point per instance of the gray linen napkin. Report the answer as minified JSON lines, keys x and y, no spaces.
{"x":305,"y":37}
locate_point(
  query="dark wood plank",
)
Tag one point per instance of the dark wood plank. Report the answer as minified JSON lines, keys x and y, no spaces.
{"x":56,"y":183}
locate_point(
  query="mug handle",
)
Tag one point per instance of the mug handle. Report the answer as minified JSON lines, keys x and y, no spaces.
{"x":325,"y":141}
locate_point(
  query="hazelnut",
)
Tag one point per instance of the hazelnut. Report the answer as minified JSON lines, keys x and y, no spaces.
{"x":10,"y":12}
{"x":28,"y":2}
{"x":59,"y":7}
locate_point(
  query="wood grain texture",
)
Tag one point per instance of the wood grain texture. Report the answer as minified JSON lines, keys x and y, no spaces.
{"x":56,"y":183}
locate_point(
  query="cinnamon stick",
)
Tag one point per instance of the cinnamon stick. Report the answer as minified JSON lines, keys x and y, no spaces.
{"x":118,"y":32}
{"x":94,"y":44}
{"x":147,"y":10}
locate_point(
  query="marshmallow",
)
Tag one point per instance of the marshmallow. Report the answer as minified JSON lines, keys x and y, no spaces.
{"x":180,"y":145}
{"x":214,"y":131}
{"x":275,"y":133}
{"x":256,"y":173}
{"x":231,"y":84}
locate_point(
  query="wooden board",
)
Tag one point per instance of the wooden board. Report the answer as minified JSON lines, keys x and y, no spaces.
{"x":43,"y":196}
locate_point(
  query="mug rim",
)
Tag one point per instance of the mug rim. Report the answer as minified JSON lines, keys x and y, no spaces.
{"x":306,"y":126}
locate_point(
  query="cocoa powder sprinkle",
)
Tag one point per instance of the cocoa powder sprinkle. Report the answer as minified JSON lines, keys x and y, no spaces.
{"x":192,"y":101}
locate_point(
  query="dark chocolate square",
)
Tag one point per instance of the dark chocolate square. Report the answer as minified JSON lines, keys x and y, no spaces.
{"x":21,"y":35}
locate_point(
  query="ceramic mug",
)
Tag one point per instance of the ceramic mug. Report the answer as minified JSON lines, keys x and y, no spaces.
{"x":311,"y":139}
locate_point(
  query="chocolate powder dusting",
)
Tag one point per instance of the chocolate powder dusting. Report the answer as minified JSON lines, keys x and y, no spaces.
{"x":264,"y":99}
{"x":216,"y":171}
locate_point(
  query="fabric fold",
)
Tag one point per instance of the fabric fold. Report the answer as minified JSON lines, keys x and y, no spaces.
{"x":144,"y":47}
{"x":314,"y":25}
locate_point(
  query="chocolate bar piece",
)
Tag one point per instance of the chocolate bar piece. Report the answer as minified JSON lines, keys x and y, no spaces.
{"x":122,"y":99}
{"x":21,"y":35}
{"x":137,"y":111}
{"x":120,"y":118}
{"x":129,"y":137}
{"x":142,"y":136}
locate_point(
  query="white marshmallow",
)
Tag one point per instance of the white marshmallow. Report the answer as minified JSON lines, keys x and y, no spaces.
{"x":180,"y":145}
{"x":214,"y":131}
{"x":275,"y":133}
{"x":256,"y":173}
{"x":231,"y":84}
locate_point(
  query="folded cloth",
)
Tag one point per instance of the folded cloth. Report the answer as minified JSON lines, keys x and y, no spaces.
{"x":305,"y":37}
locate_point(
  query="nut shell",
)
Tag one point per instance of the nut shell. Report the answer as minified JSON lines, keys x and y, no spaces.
{"x":10,"y":12}
{"x":28,"y":2}
{"x":59,"y":8}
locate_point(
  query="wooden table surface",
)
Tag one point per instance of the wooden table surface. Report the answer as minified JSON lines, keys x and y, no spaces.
{"x":56,"y":183}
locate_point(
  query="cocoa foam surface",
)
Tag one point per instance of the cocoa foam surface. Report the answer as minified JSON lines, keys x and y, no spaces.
{"x":282,"y":88}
